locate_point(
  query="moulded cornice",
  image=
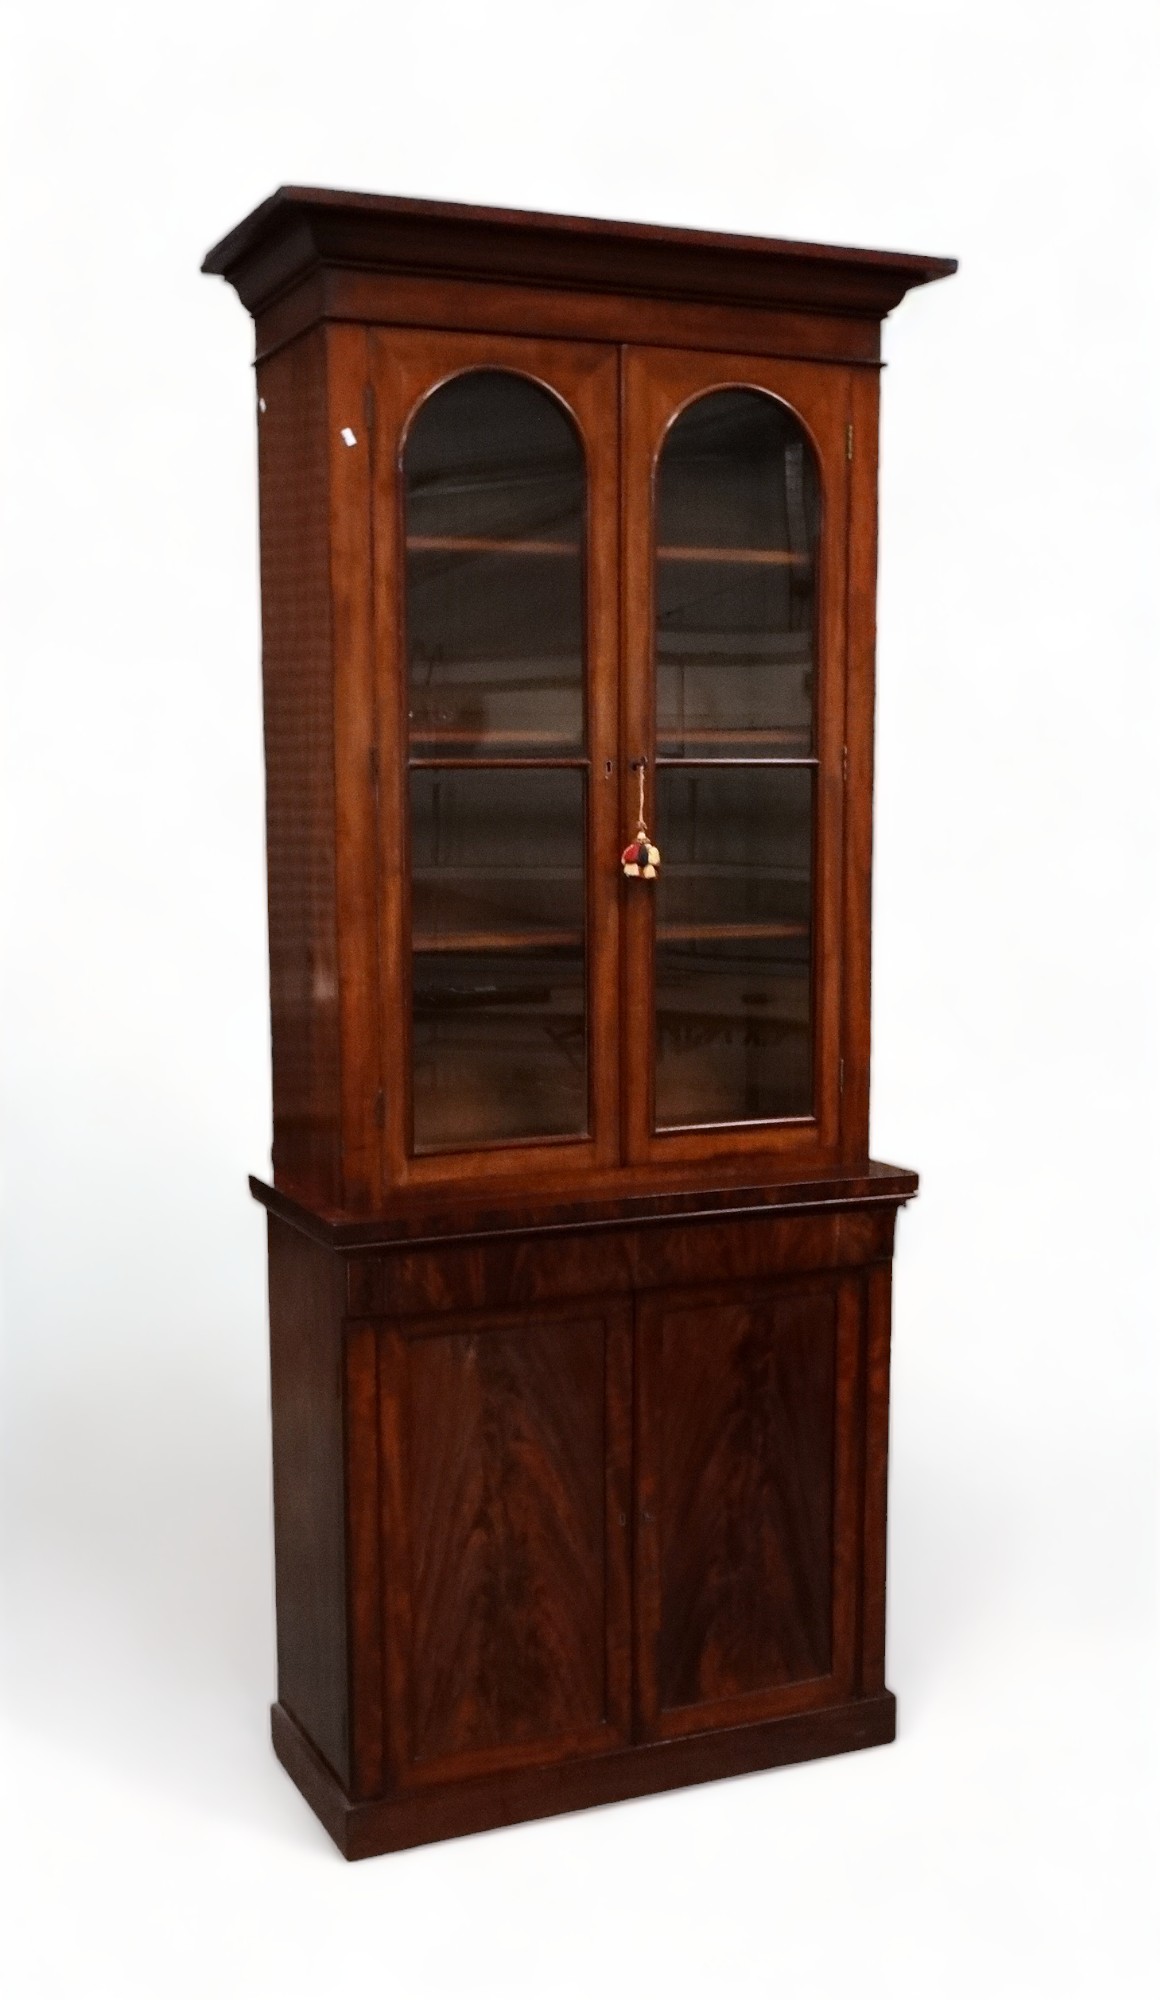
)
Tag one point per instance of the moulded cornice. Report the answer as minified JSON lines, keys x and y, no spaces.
{"x":299,"y":230}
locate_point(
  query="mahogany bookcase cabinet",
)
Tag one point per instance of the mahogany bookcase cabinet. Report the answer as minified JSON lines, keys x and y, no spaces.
{"x":579,"y":1266}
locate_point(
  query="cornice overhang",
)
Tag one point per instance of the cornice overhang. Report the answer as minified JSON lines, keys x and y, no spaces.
{"x":299,"y":230}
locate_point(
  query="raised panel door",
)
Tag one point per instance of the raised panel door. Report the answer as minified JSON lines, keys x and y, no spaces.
{"x":505,"y":1449}
{"x":746,"y":1536}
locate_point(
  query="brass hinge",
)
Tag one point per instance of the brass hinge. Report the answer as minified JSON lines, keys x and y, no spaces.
{"x":845,"y":763}
{"x":849,"y":440}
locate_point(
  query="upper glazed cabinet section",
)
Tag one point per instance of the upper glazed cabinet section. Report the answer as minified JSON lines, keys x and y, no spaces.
{"x":568,"y":554}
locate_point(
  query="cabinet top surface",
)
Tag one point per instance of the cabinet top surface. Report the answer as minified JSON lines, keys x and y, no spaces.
{"x":473,"y":1212}
{"x":298,"y":228}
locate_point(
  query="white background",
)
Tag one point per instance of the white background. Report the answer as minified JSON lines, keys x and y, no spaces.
{"x":1001,"y":1847}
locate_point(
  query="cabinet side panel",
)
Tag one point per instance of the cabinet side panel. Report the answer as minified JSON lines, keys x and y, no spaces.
{"x":300,"y":802}
{"x":356,"y":875}
{"x":874,"y":1520}
{"x":861,"y":626}
{"x":309,"y":1522}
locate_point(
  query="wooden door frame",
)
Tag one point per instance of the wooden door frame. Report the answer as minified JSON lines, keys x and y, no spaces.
{"x":658,"y":384}
{"x":405,"y":366}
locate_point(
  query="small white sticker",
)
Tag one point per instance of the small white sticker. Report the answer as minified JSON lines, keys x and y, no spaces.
{"x":347,"y":435}
{"x":262,"y":405}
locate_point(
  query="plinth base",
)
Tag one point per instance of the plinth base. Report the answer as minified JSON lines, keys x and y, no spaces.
{"x":428,"y":1812}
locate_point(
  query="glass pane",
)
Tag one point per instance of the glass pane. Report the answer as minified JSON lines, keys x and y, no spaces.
{"x":494,"y":481}
{"x":738,"y":512}
{"x":499,"y":1045}
{"x":733,"y":1023}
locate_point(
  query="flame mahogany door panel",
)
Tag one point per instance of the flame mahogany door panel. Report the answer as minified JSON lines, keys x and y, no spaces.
{"x":506,"y":1445}
{"x":747,"y":1510}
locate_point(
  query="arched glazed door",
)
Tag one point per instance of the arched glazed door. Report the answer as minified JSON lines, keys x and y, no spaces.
{"x":736,"y":500}
{"x":495,"y":571}
{"x":590,"y":570}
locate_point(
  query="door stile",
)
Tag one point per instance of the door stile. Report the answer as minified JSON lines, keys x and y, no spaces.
{"x":862,"y":564}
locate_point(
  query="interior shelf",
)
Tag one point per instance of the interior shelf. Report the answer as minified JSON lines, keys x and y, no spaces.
{"x":532,"y":739}
{"x":487,"y":941}
{"x":711,"y":933}
{"x":691,"y":663}
{"x":467,"y":943}
{"x":667,"y":552}
{"x":775,"y":558}
{"x":486,"y":545}
{"x":783,"y":738}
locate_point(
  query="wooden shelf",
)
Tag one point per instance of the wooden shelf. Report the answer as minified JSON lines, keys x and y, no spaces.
{"x":487,"y":941}
{"x":735,"y":871}
{"x":543,"y":739}
{"x":714,"y":933}
{"x":667,"y":552}
{"x":446,"y":875}
{"x":799,"y":738}
{"x":694,"y":663}
{"x":480,"y":545}
{"x":768,"y":558}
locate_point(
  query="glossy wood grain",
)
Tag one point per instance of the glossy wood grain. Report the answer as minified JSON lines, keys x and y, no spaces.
{"x":455,"y":1506}
{"x":746,"y":1452}
{"x":505,"y":1537}
{"x":859,"y":789}
{"x":297,"y":633}
{"x":297,"y":228}
{"x":356,"y":854}
{"x":877,"y":1404}
{"x":472,"y":1805}
{"x":318,"y":699}
{"x":345,"y":1132}
{"x":554,"y":1206}
{"x":308,"y":1401}
{"x":363,"y":1493}
{"x":449,"y":1277}
{"x":334,"y":294}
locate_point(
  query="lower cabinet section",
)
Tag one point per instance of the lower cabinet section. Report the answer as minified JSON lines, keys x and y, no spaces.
{"x":593,"y":1546}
